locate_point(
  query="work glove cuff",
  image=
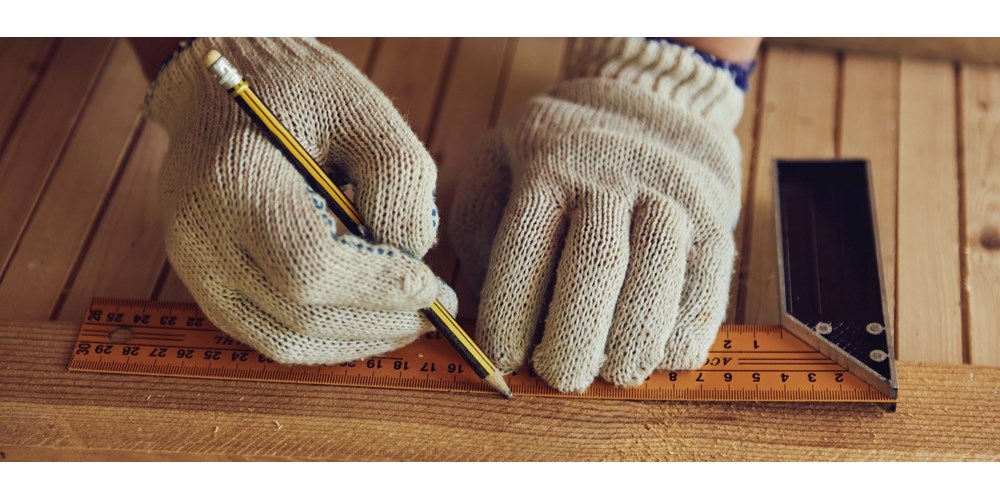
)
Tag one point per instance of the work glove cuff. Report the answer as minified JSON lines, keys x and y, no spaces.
{"x":672,"y":71}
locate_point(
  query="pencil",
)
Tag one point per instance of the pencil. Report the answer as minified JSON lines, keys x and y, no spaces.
{"x":231,"y":79}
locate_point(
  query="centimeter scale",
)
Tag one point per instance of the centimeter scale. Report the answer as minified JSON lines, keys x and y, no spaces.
{"x":747,"y":362}
{"x":834,"y":344}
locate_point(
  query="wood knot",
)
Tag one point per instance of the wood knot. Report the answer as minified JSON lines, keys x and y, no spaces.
{"x":990,"y":239}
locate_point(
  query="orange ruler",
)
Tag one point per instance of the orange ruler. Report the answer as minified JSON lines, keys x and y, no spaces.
{"x":746,"y":363}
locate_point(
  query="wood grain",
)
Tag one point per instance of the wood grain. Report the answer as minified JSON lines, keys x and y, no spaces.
{"x":48,"y":249}
{"x":36,"y":145}
{"x":798,"y":120}
{"x":356,"y":50}
{"x":461,"y":123}
{"x":982,"y":50}
{"x":945,"y":413}
{"x":171,"y":288}
{"x":746,"y":131}
{"x":980,"y":127}
{"x":126,"y":254}
{"x":411,"y":71}
{"x":537,"y":63}
{"x":869,"y":129}
{"x":928,"y":301}
{"x":22,"y":62}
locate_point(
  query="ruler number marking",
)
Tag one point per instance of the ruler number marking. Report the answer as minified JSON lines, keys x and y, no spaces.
{"x":792,"y":372}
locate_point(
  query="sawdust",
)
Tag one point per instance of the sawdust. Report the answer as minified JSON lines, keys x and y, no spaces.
{"x":277,"y":424}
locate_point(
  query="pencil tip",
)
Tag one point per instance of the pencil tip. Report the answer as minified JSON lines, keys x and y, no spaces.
{"x":496,"y":380}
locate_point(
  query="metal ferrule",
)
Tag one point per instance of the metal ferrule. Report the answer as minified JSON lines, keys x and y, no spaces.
{"x":226,"y":73}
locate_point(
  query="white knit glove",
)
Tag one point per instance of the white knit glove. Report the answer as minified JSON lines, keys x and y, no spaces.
{"x":613,"y":198}
{"x":256,"y":247}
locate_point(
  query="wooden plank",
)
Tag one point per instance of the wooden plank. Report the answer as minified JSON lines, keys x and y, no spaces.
{"x":48,"y":250}
{"x":37,"y":143}
{"x":746,"y":131}
{"x":798,"y":121}
{"x":411,"y":71}
{"x":928,"y":296}
{"x":980,"y":127}
{"x":537,"y":64}
{"x":463,"y":120}
{"x":50,"y":413}
{"x":126,"y":254}
{"x":356,"y":50}
{"x":982,"y":50}
{"x":172,"y":288}
{"x":22,"y":62}
{"x":869,"y":128}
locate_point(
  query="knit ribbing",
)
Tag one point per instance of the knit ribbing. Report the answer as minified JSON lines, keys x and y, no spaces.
{"x":669,"y":70}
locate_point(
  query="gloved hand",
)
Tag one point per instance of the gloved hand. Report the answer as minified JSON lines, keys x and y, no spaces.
{"x":255,"y":246}
{"x":614,"y":242}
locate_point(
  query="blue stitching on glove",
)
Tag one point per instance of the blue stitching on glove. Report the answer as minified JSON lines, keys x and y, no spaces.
{"x":319,"y":203}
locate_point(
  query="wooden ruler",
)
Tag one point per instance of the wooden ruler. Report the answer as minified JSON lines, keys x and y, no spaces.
{"x":746,"y":363}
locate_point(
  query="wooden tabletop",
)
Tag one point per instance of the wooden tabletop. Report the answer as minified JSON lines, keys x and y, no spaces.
{"x":79,"y":218}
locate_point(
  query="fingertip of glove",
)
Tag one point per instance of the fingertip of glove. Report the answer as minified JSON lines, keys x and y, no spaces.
{"x":410,"y":284}
{"x":570,"y":376}
{"x":685,"y":357}
{"x":447,"y":296}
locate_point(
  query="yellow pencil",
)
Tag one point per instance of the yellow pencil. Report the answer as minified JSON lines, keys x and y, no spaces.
{"x":342,"y":207}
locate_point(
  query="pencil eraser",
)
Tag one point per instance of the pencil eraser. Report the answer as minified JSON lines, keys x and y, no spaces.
{"x":212,"y":56}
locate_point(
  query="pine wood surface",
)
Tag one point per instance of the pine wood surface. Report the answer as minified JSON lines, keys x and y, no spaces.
{"x":21,"y":62}
{"x":945,"y":412}
{"x":981,"y":210}
{"x":981,"y":50}
{"x":40,"y":132}
{"x":75,"y":191}
{"x":79,"y":218}
{"x":930,"y":317}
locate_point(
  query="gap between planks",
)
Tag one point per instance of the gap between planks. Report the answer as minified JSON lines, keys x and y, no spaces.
{"x":23,"y":65}
{"x":44,"y":128}
{"x":748,"y":133}
{"x":979,"y":95}
{"x":75,"y":191}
